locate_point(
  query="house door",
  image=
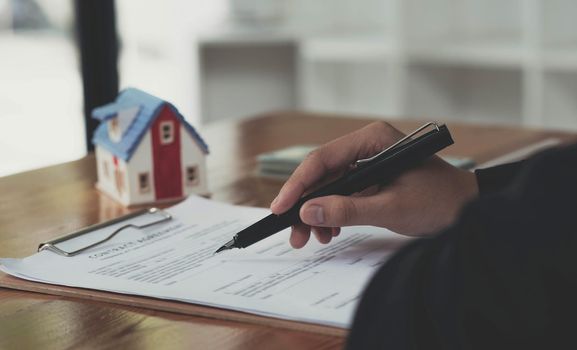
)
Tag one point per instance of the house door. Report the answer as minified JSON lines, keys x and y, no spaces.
{"x":166,"y":155}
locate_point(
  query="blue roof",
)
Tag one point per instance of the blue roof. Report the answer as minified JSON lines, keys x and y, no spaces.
{"x":150,"y":107}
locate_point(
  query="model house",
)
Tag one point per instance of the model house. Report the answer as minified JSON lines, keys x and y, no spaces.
{"x":146,"y":152}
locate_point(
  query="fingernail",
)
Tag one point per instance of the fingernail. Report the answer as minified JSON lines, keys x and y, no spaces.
{"x":336,"y":231}
{"x":314,"y":215}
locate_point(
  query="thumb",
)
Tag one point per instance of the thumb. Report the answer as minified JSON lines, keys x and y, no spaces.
{"x":337,"y":211}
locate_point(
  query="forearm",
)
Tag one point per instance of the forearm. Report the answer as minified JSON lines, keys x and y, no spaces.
{"x":502,"y":274}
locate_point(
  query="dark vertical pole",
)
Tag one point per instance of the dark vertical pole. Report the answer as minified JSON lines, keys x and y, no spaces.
{"x":98,"y":46}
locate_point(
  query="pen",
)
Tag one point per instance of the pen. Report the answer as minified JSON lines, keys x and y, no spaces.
{"x":379,"y":169}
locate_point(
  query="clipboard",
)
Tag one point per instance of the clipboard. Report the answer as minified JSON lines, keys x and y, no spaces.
{"x":165,"y":305}
{"x":52,"y":245}
{"x":135,"y":301}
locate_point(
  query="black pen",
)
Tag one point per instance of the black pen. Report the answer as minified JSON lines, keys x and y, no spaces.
{"x":380,"y":169}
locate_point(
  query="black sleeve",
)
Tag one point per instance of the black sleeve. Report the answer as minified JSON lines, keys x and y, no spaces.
{"x":498,"y":177}
{"x":503,"y":276}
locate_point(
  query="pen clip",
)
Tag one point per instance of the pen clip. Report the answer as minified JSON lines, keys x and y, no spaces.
{"x":398,"y":143}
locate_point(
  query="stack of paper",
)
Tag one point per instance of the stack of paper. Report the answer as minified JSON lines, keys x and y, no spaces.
{"x":174,"y":260}
{"x":281,"y":163}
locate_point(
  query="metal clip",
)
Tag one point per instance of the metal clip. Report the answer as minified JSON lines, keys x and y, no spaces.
{"x":51,"y":245}
{"x":398,"y":143}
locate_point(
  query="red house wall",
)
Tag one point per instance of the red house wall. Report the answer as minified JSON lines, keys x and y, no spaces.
{"x":166,"y":158}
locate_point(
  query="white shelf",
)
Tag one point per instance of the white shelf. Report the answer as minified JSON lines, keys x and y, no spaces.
{"x":345,"y":87}
{"x":463,"y":93}
{"x":237,"y":35}
{"x":348,"y":49}
{"x":560,"y":58}
{"x":470,"y":54}
{"x":492,"y":61}
{"x":560,"y":99}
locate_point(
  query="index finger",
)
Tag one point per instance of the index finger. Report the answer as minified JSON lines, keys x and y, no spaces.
{"x":331,"y":157}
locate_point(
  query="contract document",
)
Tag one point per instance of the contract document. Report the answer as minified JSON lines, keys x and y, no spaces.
{"x":174,"y":260}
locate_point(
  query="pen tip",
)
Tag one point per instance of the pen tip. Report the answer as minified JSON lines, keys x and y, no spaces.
{"x":220,"y":249}
{"x":228,"y":245}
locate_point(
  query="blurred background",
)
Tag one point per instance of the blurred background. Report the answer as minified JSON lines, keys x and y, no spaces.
{"x":483,"y":61}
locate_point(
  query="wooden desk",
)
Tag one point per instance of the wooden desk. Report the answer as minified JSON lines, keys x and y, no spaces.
{"x":39,"y":205}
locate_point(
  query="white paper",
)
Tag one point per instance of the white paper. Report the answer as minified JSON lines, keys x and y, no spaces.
{"x":174,"y":260}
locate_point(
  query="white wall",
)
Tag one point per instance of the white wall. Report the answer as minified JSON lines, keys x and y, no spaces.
{"x":193,"y":156}
{"x":141,"y":162}
{"x":106,"y":183}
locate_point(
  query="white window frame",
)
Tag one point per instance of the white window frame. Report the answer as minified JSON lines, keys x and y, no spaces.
{"x":169,"y":136}
{"x":196,"y":178}
{"x":144,"y":189}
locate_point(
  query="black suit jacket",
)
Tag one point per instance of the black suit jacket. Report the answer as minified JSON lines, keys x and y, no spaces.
{"x":503,"y":276}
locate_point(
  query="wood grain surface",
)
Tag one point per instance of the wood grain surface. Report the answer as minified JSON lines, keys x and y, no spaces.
{"x":39,"y":205}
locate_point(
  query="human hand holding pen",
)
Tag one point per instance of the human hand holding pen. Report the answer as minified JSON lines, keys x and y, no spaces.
{"x":420,"y":201}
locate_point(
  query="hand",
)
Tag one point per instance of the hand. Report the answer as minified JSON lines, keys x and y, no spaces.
{"x":420,"y":201}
